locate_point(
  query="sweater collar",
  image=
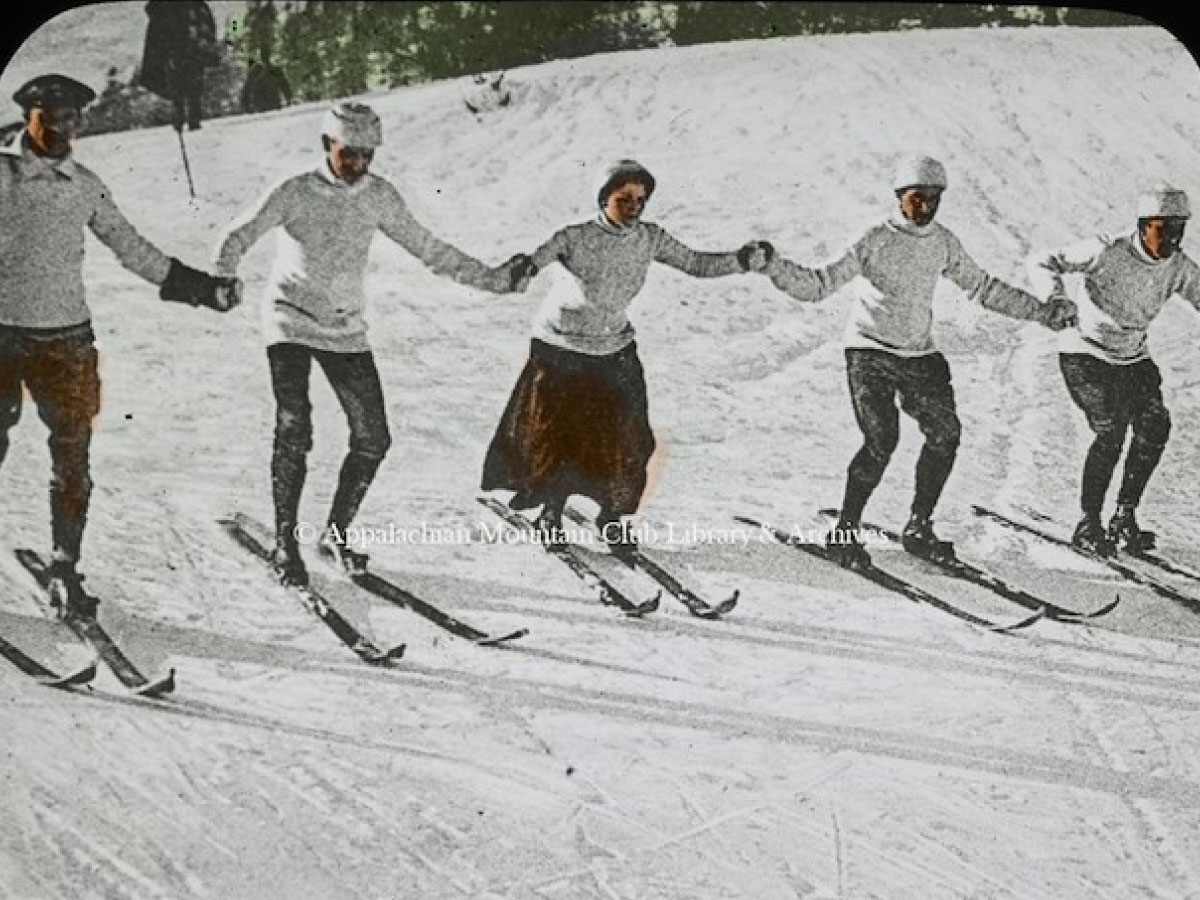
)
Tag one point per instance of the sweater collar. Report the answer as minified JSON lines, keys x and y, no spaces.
{"x":35,"y":166}
{"x":326,"y":172}
{"x":900,"y":223}
{"x":1139,"y":250}
{"x":613,"y":228}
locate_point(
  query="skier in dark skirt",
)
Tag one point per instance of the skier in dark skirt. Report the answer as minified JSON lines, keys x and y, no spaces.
{"x":1127,"y":279}
{"x":577,"y":420}
{"x":890,"y":353}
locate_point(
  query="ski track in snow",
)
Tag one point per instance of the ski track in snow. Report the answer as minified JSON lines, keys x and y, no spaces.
{"x":826,"y":740}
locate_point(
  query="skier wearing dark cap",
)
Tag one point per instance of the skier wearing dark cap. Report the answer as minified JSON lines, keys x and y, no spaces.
{"x":890,"y":354}
{"x":577,"y":419}
{"x":46,"y":338}
{"x":1127,"y":279}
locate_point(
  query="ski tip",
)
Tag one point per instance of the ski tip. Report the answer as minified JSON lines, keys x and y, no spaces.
{"x":503,"y":639}
{"x":717,"y":611}
{"x":1106,"y":608}
{"x":78,"y":678}
{"x":645,"y":607}
{"x":379,"y":657}
{"x":1019,"y":624}
{"x":727,"y":605}
{"x":158,"y":688}
{"x":1082,"y":618}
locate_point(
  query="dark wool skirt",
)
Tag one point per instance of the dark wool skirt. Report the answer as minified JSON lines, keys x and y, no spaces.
{"x":574,"y":424}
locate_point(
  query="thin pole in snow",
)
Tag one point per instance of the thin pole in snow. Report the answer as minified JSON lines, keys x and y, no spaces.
{"x":186,"y":167}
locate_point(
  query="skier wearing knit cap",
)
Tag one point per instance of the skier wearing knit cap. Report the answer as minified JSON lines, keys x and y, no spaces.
{"x":890,"y":354}
{"x":1126,"y":281}
{"x":577,"y":420}
{"x":313,"y":310}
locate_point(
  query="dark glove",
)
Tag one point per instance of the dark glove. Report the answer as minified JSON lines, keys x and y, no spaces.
{"x":184,"y":284}
{"x":1058,"y":312}
{"x":520,"y":269}
{"x":755,"y":256}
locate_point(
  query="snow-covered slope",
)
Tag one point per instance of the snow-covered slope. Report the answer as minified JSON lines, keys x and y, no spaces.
{"x":827,"y":740}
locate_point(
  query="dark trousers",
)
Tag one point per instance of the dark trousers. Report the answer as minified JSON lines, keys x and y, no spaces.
{"x":59,"y":369}
{"x":1116,"y":399}
{"x":355,"y":382}
{"x":922,"y":385}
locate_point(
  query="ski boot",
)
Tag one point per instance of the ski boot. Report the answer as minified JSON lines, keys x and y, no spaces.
{"x":549,"y":524}
{"x":919,"y":540}
{"x":288,"y":564}
{"x":845,"y":547}
{"x":1091,"y":537}
{"x":67,"y":596}
{"x":616,"y":534}
{"x":522,"y":500}
{"x":1123,"y":531}
{"x":333,"y":548}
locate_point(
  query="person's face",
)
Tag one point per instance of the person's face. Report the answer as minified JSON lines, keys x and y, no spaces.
{"x":1161,"y":236}
{"x":349,"y":163}
{"x":920,"y":204}
{"x":51,"y":130}
{"x":624,"y":205}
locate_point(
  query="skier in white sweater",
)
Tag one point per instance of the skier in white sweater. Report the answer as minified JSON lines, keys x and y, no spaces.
{"x":47,"y":344}
{"x":890,"y":352}
{"x":577,"y":420}
{"x":1126,"y":280}
{"x":313,"y":310}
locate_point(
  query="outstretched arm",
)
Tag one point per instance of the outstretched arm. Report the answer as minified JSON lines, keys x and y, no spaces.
{"x":133,"y":251}
{"x":247,"y":229}
{"x":812,"y":285}
{"x":439,"y":256}
{"x":177,"y":281}
{"x":999,"y":296}
{"x":677,"y":255}
{"x":1188,"y":283}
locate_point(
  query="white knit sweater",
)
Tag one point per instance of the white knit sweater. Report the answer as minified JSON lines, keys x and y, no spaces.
{"x":1123,"y":291}
{"x":589,"y":311}
{"x":900,"y":264}
{"x":315,"y":293}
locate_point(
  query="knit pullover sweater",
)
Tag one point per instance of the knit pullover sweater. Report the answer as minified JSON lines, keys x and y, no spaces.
{"x":589,"y":312}
{"x":45,"y":205}
{"x":315,"y":292}
{"x":899,"y":264}
{"x":1123,"y":291}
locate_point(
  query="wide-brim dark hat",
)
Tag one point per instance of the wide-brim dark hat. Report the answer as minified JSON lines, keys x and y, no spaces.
{"x":54,"y":91}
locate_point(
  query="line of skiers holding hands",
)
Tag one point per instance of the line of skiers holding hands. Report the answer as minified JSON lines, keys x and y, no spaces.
{"x":576,"y":421}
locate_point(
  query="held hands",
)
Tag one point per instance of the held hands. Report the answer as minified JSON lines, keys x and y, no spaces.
{"x":1058,"y":312}
{"x":184,"y":284}
{"x":519,"y":269}
{"x":755,"y":256}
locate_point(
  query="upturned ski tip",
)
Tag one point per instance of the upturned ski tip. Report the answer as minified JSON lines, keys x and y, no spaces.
{"x":81,"y":676}
{"x":158,"y":688}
